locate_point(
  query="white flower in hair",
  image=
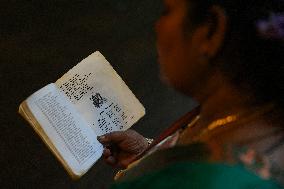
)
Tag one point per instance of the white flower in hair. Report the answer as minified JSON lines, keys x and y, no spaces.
{"x":273,"y":27}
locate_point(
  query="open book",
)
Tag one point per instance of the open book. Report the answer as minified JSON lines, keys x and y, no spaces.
{"x":89,"y":100}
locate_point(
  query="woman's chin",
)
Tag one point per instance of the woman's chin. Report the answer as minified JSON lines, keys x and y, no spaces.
{"x":173,"y":83}
{"x":164,"y":78}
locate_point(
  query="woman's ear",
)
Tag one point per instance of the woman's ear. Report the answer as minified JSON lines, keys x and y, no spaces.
{"x":213,"y":32}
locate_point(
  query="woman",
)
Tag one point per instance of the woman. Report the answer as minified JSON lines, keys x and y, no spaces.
{"x":229,"y":56}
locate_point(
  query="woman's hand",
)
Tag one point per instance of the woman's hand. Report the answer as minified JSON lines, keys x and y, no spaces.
{"x":122,"y":147}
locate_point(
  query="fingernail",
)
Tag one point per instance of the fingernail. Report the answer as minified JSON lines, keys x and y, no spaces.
{"x":101,"y":138}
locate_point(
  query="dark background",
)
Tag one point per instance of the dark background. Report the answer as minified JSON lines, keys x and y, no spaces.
{"x":40,"y":40}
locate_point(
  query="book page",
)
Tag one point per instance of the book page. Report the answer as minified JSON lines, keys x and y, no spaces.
{"x":72,"y":137}
{"x":100,"y":95}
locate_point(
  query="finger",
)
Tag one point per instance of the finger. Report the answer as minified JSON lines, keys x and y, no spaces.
{"x":123,"y":163}
{"x":106,"y":152}
{"x":113,"y":137}
{"x":110,"y":160}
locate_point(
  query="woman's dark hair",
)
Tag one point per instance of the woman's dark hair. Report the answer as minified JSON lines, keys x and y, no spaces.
{"x":253,"y":60}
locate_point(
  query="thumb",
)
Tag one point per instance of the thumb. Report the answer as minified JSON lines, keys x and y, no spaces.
{"x":113,"y":137}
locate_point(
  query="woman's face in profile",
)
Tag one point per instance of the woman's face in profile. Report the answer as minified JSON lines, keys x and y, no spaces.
{"x":178,"y":55}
